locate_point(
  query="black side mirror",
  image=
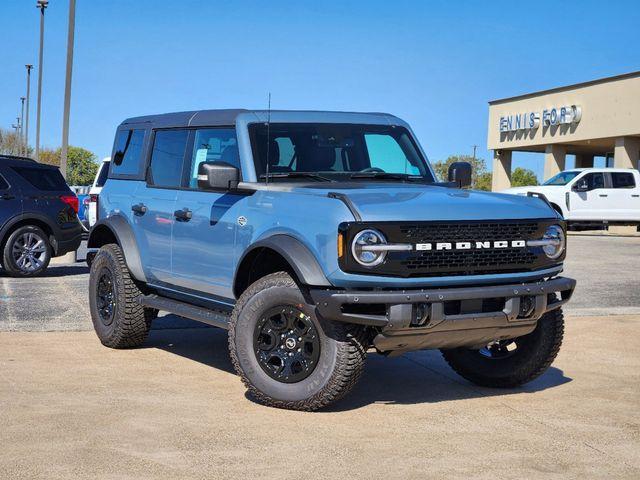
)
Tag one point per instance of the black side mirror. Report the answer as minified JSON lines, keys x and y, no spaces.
{"x":581,"y":186}
{"x":218,"y":176}
{"x":460,"y":173}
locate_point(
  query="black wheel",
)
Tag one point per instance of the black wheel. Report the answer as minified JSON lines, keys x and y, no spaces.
{"x":27,"y":252}
{"x":510,"y":363}
{"x":285,"y":355}
{"x":118,"y":319}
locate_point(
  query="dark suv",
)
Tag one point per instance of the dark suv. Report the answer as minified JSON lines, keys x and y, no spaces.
{"x":38,"y":216}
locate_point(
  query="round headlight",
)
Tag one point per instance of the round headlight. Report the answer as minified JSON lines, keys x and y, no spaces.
{"x":557,"y":242}
{"x":364,"y":248}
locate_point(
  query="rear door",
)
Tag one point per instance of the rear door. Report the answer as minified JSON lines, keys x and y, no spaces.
{"x":625,"y":196}
{"x":592,"y":204}
{"x":203,"y":250}
{"x":154,"y":204}
{"x":10,"y":200}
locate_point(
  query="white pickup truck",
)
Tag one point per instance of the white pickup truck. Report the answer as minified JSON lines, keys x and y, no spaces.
{"x":592,"y":195}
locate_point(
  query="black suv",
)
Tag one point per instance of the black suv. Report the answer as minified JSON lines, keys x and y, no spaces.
{"x":38,"y":216}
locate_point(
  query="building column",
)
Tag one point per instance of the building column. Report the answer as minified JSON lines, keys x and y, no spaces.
{"x":584,"y":161}
{"x":501,"y":177}
{"x":554,"y":160}
{"x":626,"y":152}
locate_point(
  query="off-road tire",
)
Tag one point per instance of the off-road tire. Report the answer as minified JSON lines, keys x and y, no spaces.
{"x":131,"y":321}
{"x":539,"y":349}
{"x":342,"y":351}
{"x":9,"y":263}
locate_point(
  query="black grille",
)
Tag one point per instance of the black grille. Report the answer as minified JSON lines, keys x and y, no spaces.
{"x":471,"y":261}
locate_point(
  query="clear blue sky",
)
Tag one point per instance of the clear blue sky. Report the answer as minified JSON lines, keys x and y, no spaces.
{"x":435,"y":64}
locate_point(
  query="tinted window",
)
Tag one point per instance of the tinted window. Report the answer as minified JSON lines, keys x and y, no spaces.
{"x":623,"y":180}
{"x":166,"y":158}
{"x":594,"y":180}
{"x":102,"y":177}
{"x":43,"y":179}
{"x":3,"y":184}
{"x":213,"y":145}
{"x":127,"y":152}
{"x":385,"y":154}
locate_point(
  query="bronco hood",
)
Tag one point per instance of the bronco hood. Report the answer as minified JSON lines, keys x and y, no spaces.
{"x":393,"y":202}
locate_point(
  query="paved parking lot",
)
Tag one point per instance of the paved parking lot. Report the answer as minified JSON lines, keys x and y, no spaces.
{"x":70,"y":408}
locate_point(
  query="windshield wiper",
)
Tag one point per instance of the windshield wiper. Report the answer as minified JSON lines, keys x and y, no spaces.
{"x":311,"y":175}
{"x":386,"y":176}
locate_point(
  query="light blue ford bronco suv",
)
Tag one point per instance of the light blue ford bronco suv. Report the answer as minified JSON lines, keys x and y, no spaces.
{"x":314,"y":237}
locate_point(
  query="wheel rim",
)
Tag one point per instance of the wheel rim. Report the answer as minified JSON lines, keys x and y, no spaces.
{"x":287,"y":344}
{"x":500,"y":349}
{"x":105,"y":298}
{"x":29,"y":252}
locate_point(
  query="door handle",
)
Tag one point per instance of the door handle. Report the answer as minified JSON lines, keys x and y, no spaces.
{"x":7,"y":196}
{"x":139,"y":208}
{"x":603,"y":195}
{"x":183,"y":215}
{"x":635,"y":196}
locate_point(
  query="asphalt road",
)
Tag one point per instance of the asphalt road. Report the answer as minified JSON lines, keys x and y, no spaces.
{"x":606,"y":267}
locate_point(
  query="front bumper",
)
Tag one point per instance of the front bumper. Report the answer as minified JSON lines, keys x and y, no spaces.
{"x":445,"y":318}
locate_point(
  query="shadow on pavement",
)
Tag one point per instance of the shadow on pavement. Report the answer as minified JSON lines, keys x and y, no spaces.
{"x":58,"y":271}
{"x":420,"y":377}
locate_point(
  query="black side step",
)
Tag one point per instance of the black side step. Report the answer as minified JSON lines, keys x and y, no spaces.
{"x":217,"y":318}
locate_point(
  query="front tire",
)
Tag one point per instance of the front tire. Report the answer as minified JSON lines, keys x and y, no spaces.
{"x":119,"y":320}
{"x":285,"y":355}
{"x":27,"y":252}
{"x":511,"y":363}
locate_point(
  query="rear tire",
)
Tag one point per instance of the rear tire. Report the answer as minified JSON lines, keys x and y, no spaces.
{"x":497,"y":366}
{"x":27,"y":252}
{"x":118,"y":318}
{"x":285,"y":355}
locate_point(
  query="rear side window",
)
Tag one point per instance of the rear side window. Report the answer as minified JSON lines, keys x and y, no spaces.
{"x":104,"y":173}
{"x":3,"y":184}
{"x":43,"y":178}
{"x":127,"y":153}
{"x":167,"y":156}
{"x":622,"y":180}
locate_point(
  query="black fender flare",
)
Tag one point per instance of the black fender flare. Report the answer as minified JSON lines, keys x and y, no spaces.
{"x":302,"y":261}
{"x":119,"y":226}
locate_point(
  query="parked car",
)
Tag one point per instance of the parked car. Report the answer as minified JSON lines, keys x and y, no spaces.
{"x":94,"y":192}
{"x":38,"y":216}
{"x":592,"y":196}
{"x":315,"y":236}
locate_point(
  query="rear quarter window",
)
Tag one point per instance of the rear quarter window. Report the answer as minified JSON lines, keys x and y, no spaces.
{"x":46,"y":179}
{"x":127,"y":153}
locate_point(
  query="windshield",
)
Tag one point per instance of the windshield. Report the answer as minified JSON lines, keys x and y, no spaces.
{"x":562,"y":178}
{"x":336,"y":152}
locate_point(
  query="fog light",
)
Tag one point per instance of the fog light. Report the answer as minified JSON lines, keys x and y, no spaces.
{"x":527,"y":306}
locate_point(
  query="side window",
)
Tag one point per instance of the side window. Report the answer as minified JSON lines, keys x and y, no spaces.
{"x":386,"y":154}
{"x":127,"y":154}
{"x":622,"y":180}
{"x":3,"y":184}
{"x":592,"y":180}
{"x":213,"y":145}
{"x":167,"y":156}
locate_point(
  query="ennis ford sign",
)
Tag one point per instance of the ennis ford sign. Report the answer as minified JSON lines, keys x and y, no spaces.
{"x":531,"y":120}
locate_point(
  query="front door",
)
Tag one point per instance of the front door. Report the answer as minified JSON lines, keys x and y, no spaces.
{"x":203,"y":252}
{"x":592,"y":203}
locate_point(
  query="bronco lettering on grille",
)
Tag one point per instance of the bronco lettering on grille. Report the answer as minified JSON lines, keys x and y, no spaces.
{"x":470,"y":245}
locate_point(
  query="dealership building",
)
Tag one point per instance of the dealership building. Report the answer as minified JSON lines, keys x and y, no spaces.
{"x":600,"y":118}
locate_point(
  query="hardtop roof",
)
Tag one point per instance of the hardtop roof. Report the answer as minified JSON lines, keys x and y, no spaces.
{"x":228,"y":117}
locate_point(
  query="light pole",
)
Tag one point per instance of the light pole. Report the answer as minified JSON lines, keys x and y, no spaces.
{"x":42,"y":5}
{"x":67,"y":89}
{"x":26,"y":123}
{"x":23,"y":146}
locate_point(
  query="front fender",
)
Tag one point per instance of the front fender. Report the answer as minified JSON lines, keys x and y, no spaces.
{"x":119,"y":228}
{"x":302,"y":261}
